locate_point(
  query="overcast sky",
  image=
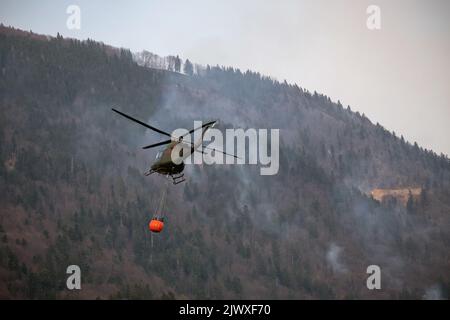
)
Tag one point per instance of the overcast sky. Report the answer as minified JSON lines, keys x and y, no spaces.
{"x":398,"y":75}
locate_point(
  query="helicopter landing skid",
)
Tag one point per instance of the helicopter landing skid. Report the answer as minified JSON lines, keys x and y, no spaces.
{"x":178,"y":178}
{"x":149,"y":172}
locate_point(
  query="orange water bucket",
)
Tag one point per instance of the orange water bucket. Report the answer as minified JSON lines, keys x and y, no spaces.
{"x":156,"y":225}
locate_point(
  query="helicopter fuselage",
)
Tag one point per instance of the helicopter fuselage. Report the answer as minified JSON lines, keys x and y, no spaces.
{"x":168,"y":166}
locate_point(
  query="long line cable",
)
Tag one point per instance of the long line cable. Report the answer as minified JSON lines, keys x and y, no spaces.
{"x":159,"y":212}
{"x":159,"y":215}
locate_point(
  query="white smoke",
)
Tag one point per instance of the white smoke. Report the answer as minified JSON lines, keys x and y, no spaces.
{"x":433,"y":293}
{"x":333,"y":258}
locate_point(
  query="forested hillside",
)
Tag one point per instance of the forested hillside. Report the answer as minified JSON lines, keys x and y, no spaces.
{"x":73,"y":191}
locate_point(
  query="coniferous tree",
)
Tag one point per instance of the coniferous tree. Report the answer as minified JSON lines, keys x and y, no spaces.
{"x":188,"y":68}
{"x":410,"y":203}
{"x":177,"y":64}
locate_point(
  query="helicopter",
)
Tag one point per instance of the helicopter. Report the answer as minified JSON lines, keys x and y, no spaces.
{"x":164,"y":163}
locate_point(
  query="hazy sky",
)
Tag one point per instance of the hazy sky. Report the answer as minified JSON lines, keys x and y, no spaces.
{"x":398,"y":76}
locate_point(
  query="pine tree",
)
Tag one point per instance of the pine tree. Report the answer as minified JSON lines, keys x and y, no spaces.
{"x":188,"y":68}
{"x":410,"y":203}
{"x":177,"y":64}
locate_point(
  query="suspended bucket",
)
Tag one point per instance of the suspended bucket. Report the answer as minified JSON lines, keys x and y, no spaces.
{"x":156,"y":225}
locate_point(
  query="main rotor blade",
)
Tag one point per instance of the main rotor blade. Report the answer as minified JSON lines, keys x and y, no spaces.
{"x":231,"y":155}
{"x":141,"y":123}
{"x":157,"y":144}
{"x":213,"y":149}
{"x":206,"y":124}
